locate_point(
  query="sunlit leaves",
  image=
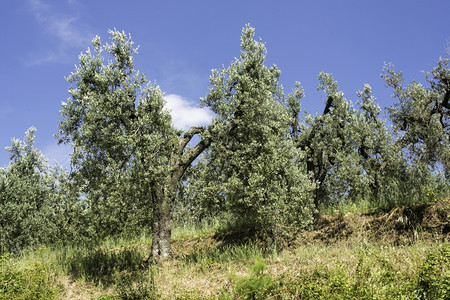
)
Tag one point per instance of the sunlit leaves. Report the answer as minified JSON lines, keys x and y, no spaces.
{"x":260,"y":177}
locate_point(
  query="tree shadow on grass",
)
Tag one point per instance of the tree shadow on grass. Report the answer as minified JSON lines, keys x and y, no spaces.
{"x":101,"y":265}
{"x":238,"y":242}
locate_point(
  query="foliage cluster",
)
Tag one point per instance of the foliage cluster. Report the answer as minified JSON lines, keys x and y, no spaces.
{"x":38,"y":205}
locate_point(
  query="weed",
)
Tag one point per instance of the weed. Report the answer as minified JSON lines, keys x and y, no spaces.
{"x":134,"y":285}
{"x":434,"y":276}
{"x":255,"y":286}
{"x":34,"y":282}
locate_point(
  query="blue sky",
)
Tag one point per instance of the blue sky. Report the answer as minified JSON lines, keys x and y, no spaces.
{"x":181,"y":41}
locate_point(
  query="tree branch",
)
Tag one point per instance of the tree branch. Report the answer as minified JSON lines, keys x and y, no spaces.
{"x":193,"y":153}
{"x":188,"y":136}
{"x":328,"y":105}
{"x":184,"y":160}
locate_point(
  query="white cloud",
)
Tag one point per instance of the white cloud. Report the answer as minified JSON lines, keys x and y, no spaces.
{"x":58,"y":153}
{"x":185,"y":114}
{"x":62,"y":26}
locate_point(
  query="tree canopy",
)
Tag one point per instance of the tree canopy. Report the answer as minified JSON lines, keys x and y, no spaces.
{"x":260,"y":175}
{"x":123,"y":137}
{"x":421,"y":117}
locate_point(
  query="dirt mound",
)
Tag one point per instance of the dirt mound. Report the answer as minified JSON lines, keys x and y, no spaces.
{"x":402,"y":225}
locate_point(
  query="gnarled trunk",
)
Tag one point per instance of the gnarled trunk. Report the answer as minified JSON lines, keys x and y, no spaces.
{"x":164,"y":192}
{"x":162,"y":222}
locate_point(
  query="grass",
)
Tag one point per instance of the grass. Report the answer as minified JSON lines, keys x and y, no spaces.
{"x":245,"y":271}
{"x":348,"y":256}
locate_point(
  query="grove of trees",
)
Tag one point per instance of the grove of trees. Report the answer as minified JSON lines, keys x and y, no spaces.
{"x":261,"y":159}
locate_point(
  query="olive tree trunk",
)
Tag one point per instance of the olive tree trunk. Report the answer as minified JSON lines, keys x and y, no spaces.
{"x":165,"y":192}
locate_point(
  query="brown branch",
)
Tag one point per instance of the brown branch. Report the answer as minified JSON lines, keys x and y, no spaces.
{"x":193,"y":153}
{"x":445,"y":101}
{"x":181,"y":160}
{"x":188,"y":136}
{"x":307,"y":142}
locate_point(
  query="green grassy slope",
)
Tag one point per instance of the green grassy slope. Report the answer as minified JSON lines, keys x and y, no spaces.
{"x":403,"y":253}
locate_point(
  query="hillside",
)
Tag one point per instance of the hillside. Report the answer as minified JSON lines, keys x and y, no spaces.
{"x":402,"y":253}
{"x":399,"y":226}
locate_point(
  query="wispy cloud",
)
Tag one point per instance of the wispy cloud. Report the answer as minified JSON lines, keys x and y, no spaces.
{"x":63,"y":26}
{"x":185,"y":114}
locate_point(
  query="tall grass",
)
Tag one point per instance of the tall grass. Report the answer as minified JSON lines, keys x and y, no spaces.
{"x":218,"y":263}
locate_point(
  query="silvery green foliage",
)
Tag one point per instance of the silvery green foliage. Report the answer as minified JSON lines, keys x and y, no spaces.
{"x":201,"y":198}
{"x":128,"y":159}
{"x":121,"y":135}
{"x":352,"y":155}
{"x":253,"y":165}
{"x":294,"y":107}
{"x":343,"y":145}
{"x":329,"y":142}
{"x":37,"y":205}
{"x":421,"y":117}
{"x":389,"y":180}
{"x":380,"y":161}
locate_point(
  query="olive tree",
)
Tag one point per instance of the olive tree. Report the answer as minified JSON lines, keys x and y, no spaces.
{"x":116,"y":121}
{"x":421,"y":117}
{"x":328,"y":141}
{"x":37,"y":205}
{"x":388,"y":179}
{"x":350,"y":153}
{"x":254,"y":163}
